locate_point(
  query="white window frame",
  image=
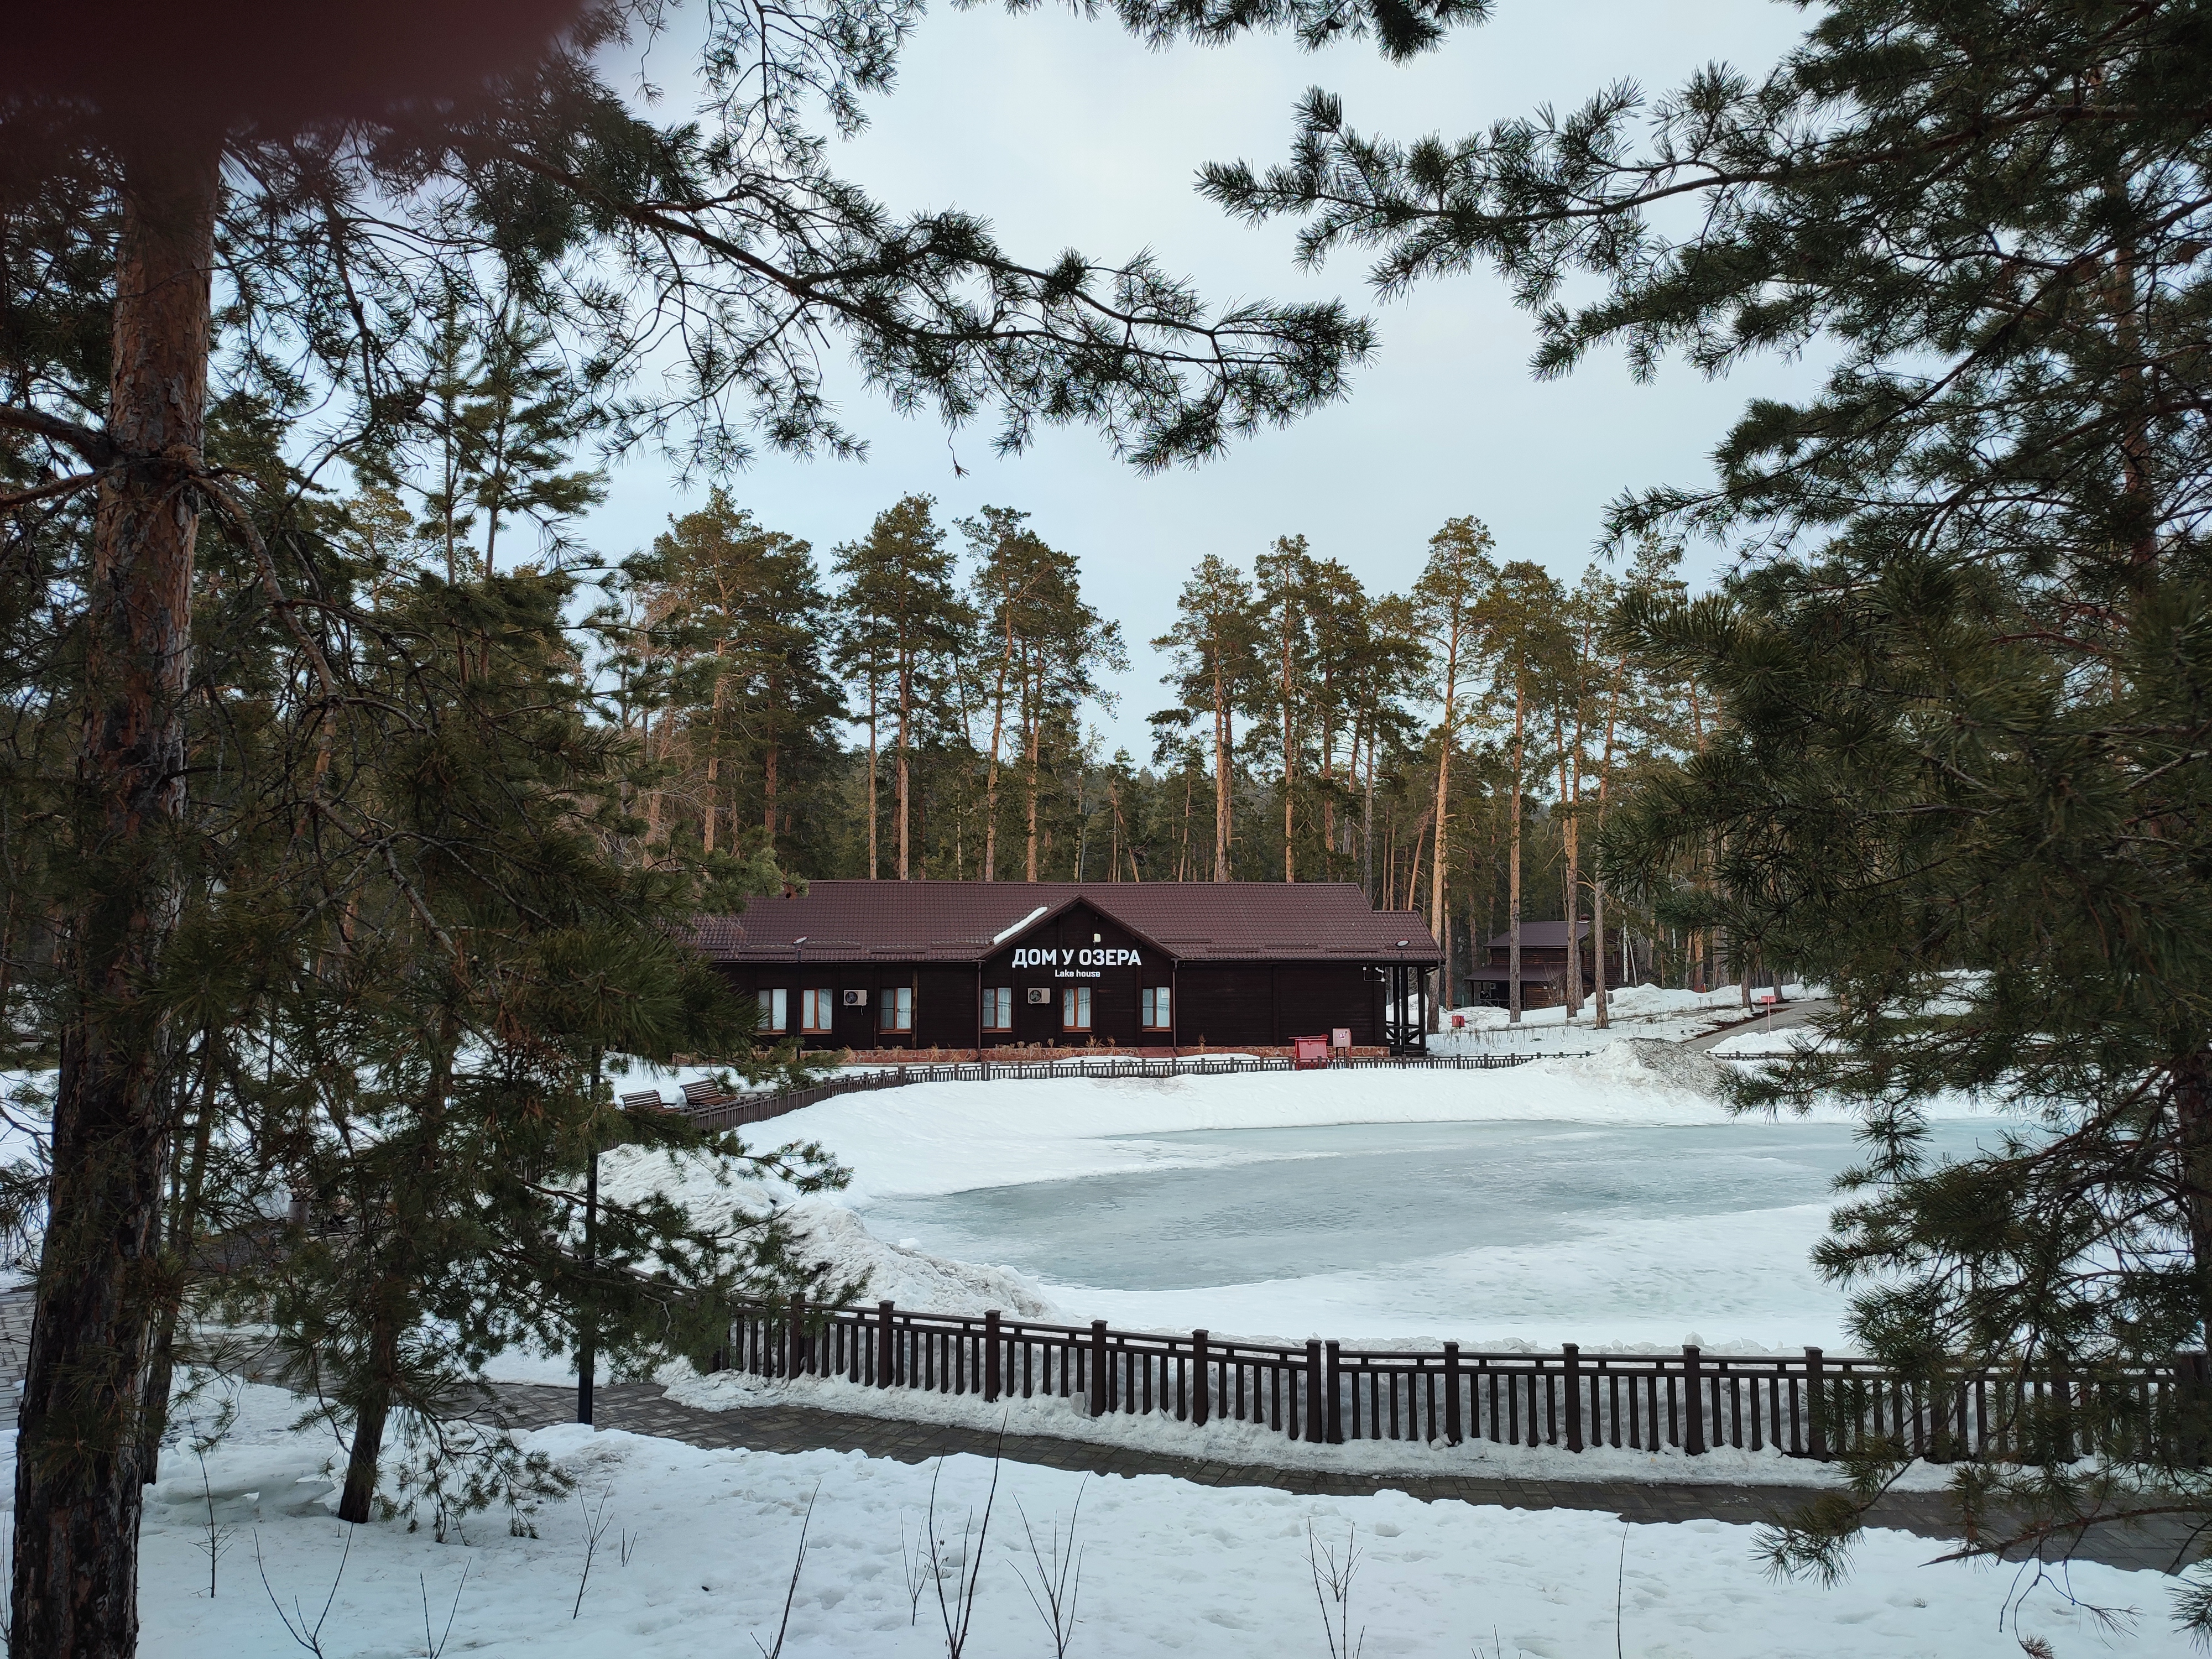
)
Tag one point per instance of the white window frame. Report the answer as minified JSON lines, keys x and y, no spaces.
{"x":776,"y":1010}
{"x":818,"y":1000}
{"x":997,"y":1007}
{"x":896,"y":1003}
{"x":1157,"y":1006}
{"x":1075,"y":999}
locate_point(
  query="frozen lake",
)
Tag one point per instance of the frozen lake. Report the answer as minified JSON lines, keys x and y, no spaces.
{"x":1544,"y":1231}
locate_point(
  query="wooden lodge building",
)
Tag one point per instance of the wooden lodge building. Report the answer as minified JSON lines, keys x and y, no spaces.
{"x":1146,"y":966}
{"x":1543,"y":967}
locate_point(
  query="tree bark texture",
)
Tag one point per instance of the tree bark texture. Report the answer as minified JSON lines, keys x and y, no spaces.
{"x":79,"y":1477}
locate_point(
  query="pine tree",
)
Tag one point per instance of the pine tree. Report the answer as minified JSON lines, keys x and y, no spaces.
{"x":1949,"y":716}
{"x":747,"y":605}
{"x":1529,"y":647}
{"x":1448,"y":598}
{"x":1285,"y":586}
{"x":905,"y":622}
{"x":1342,"y":632}
{"x":1214,"y":648}
{"x":382,"y":161}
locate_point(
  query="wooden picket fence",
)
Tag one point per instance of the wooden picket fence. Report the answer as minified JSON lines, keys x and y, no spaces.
{"x":1813,"y":1405}
{"x":731,"y":1112}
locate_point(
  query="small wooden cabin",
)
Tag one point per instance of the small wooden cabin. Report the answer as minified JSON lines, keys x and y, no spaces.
{"x":972,"y":965}
{"x":1544,"y":966}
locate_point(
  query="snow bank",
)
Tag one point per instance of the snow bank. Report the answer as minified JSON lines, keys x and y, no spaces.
{"x":698,"y":1544}
{"x":1633,"y":1011}
{"x":1247,"y":1445}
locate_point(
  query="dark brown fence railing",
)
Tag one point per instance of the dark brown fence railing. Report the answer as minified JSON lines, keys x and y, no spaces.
{"x":733,"y":1112}
{"x":1813,"y":1405}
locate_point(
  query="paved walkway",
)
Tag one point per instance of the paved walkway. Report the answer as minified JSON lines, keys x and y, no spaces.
{"x":1795,"y":1013}
{"x":643,"y":1408}
{"x":15,"y":1308}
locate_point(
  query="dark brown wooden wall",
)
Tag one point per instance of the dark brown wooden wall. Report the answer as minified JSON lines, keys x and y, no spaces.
{"x":945,"y":1006}
{"x":1218,"y":1004}
{"x":1115,"y":1008}
{"x":1269,"y":1003}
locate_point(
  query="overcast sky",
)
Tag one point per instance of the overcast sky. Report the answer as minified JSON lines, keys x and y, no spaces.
{"x":1066,"y":133}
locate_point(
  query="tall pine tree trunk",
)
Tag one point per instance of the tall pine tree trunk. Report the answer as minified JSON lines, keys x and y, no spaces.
{"x":991,"y":777}
{"x":358,"y":1499}
{"x":905,"y":725}
{"x":1032,"y":741}
{"x":1570,"y":797}
{"x":1597,"y":889}
{"x":767,"y":794}
{"x":1290,"y":857}
{"x":1367,"y":817}
{"x":1222,"y":743}
{"x":714,"y":751}
{"x":1513,"y":867}
{"x":391,"y":1294}
{"x":872,"y":776}
{"x":1439,"y":864}
{"x":79,"y":1479}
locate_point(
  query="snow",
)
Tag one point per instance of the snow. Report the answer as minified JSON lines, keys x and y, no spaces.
{"x":1225,"y":1440}
{"x":1731,"y":1274}
{"x":949,"y":1137}
{"x":698,"y":1546}
{"x":1633,"y":1011}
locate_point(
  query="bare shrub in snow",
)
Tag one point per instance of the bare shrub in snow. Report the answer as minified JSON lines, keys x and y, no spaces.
{"x":596,"y":1521}
{"x":306,"y":1634}
{"x":1058,"y":1569}
{"x":791,"y":1589}
{"x":1332,"y":1582}
{"x":964,"y":1568}
{"x":436,"y":1646}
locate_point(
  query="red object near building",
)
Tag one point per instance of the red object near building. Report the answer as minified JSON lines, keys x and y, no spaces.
{"x":1310,"y":1053}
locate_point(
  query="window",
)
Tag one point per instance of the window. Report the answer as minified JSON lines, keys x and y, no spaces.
{"x":1156,"y":1008}
{"x":817,"y":1008}
{"x":1075,"y":1008}
{"x":898,"y":1005}
{"x":776,"y":1010}
{"x":997,"y":1007}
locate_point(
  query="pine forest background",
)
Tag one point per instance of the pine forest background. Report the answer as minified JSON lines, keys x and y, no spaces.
{"x":921,"y":703}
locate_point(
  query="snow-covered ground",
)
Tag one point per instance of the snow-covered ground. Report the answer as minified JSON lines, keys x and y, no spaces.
{"x":697,"y":1552}
{"x":1634,"y":1011}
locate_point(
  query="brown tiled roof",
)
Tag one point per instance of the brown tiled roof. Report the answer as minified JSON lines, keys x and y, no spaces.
{"x":967,"y":920}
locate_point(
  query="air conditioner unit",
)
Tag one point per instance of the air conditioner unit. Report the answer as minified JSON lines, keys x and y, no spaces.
{"x":1040,"y":996}
{"x":856,"y":998}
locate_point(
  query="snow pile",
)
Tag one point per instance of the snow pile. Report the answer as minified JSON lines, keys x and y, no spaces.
{"x":834,"y":1236}
{"x":1694,"y":1070}
{"x":1633,"y":1011}
{"x":698,"y":1544}
{"x":824,"y":1232}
